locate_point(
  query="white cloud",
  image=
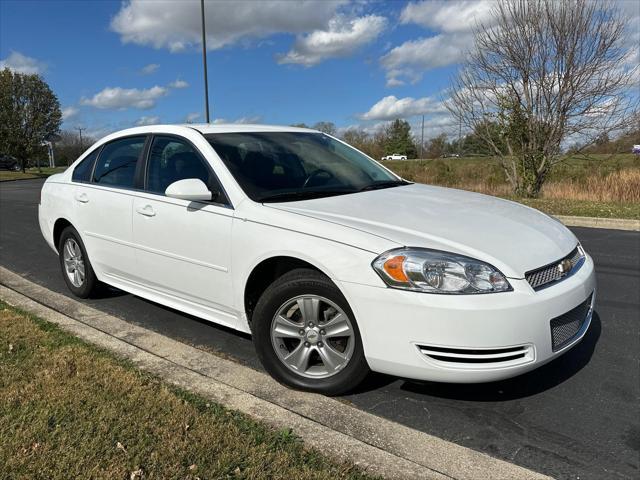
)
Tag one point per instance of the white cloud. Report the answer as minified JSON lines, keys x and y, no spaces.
{"x":121,"y":98}
{"x":391,"y":107}
{"x":69,"y":112}
{"x":19,"y":63}
{"x":192,"y":117}
{"x":452,"y":24}
{"x":147,"y":120}
{"x":448,"y":16}
{"x":149,"y":69}
{"x":178,"y":84}
{"x":368,"y":128}
{"x":434,"y":126}
{"x":342,"y":37}
{"x":176,"y":25}
{"x":411,"y":59}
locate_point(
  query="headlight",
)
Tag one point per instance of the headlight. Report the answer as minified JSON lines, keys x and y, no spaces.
{"x":433,"y":271}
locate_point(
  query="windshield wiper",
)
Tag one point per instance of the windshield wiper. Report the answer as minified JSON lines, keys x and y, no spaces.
{"x":384,"y":184}
{"x":302,"y":195}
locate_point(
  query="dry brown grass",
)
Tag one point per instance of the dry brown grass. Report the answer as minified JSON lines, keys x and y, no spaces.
{"x":620,"y":186}
{"x":70,"y":410}
{"x":600,"y":186}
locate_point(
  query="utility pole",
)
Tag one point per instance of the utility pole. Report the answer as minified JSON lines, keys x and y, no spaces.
{"x":422,"y":139}
{"x":80,"y":130}
{"x":204,"y":61}
{"x":459,"y":139}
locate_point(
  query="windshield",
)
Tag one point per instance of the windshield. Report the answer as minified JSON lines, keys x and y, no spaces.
{"x":285,"y":166}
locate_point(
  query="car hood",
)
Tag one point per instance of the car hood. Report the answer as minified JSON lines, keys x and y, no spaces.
{"x":508,"y":235}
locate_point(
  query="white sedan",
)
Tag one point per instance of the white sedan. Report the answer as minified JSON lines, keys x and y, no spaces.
{"x":334,"y":264}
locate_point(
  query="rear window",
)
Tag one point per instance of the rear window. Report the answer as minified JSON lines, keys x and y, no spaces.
{"x":82,"y":172}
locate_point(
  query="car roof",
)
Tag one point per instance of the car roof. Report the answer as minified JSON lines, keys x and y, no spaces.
{"x":245,"y":127}
{"x":205,"y":128}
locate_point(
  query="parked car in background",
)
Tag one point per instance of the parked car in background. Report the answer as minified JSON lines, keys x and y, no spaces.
{"x":7,"y":162}
{"x":333,"y":263}
{"x":395,"y":156}
{"x":636,"y":149}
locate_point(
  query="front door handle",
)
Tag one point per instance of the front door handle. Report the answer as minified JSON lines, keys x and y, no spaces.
{"x":82,"y":197}
{"x":147,"y":211}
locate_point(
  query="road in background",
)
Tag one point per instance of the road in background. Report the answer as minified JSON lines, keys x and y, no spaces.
{"x":576,"y":417}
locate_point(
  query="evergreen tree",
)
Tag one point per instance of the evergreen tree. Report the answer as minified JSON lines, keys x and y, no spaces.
{"x":399,"y":140}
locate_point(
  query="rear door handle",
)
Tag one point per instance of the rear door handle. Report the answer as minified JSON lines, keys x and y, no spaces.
{"x":147,"y":211}
{"x":82,"y":197}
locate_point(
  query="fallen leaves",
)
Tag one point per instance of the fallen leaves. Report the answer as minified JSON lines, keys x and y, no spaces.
{"x":136,"y":474}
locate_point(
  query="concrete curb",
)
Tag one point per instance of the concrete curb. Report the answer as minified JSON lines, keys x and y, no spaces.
{"x":597,"y":222}
{"x":341,"y":431}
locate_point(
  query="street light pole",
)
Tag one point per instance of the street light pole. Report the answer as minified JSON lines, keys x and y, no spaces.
{"x":204,"y":61}
{"x":80,"y":130}
{"x":422,"y":139}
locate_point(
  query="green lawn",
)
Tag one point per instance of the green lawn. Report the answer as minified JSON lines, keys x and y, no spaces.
{"x":71,"y":410}
{"x":30,"y":173}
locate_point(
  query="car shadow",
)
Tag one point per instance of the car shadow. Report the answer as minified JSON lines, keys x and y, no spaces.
{"x":105,"y":291}
{"x":537,"y":381}
{"x":373,"y":381}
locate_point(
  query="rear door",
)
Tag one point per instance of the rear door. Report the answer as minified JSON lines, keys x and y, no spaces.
{"x":102,"y":203}
{"x":183,"y":248}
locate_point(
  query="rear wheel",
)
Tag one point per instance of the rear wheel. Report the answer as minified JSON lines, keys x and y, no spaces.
{"x":306,"y":335}
{"x":76,"y":267}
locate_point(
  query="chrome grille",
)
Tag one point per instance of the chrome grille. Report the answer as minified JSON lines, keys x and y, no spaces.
{"x":549,"y":274}
{"x":566,"y":327}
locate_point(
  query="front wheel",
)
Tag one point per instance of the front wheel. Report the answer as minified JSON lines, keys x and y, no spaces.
{"x":306,"y":336}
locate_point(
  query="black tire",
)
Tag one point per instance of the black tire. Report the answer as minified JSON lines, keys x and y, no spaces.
{"x":294,"y":284}
{"x":90,"y":283}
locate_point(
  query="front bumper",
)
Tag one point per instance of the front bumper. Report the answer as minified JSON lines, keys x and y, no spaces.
{"x":467,"y":338}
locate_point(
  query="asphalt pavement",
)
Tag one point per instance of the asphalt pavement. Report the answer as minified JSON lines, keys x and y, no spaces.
{"x":577,"y":417}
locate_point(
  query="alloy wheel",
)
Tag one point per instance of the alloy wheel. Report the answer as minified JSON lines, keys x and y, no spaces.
{"x":312,"y":336}
{"x":73,"y":262}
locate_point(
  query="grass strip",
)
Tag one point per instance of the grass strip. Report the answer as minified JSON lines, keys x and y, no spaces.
{"x":71,"y":410}
{"x":6,"y":175}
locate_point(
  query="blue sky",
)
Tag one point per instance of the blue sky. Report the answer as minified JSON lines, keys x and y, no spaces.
{"x":114,"y":64}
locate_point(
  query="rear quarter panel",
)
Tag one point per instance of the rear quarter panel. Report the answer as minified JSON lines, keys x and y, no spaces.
{"x":56,"y":202}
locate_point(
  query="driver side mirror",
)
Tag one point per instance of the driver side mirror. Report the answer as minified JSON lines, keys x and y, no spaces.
{"x":192,"y":189}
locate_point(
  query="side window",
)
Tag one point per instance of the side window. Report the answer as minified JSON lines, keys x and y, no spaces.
{"x":116,"y":165}
{"x":172,"y":159}
{"x":82,"y":172}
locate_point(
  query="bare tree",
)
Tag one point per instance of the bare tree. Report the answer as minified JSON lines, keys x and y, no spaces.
{"x":326,"y":127}
{"x":69,"y":147}
{"x":545,"y":73}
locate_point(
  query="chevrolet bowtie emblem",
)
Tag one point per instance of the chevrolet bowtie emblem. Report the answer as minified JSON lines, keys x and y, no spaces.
{"x":565,"y":266}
